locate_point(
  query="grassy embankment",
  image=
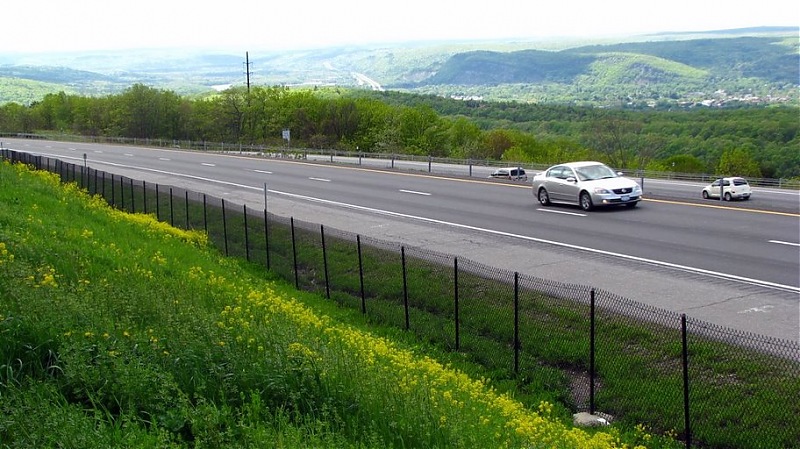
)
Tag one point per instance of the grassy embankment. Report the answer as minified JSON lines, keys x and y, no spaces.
{"x":120,"y":331}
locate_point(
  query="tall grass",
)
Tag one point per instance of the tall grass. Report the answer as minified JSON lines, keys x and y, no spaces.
{"x":117,"y":330}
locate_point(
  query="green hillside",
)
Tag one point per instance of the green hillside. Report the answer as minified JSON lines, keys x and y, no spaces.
{"x":772,"y":59}
{"x":26,"y":91}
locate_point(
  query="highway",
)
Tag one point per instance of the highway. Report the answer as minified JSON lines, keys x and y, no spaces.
{"x":733,"y":264}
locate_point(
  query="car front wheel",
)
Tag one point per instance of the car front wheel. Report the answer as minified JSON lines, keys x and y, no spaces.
{"x":544,"y":198}
{"x":586,"y":201}
{"x":705,"y":195}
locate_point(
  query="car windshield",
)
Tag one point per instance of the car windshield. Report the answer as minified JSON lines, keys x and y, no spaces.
{"x":593,"y":172}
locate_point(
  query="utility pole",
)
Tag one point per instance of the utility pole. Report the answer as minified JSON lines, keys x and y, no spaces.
{"x":248,"y":116}
{"x":247,"y":70}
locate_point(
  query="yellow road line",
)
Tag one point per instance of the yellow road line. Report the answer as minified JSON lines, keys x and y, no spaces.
{"x":712,"y":206}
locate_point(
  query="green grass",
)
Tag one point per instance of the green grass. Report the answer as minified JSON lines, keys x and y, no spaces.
{"x":120,"y":331}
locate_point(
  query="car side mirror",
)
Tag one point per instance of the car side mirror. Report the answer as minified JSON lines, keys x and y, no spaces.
{"x":571,"y":179}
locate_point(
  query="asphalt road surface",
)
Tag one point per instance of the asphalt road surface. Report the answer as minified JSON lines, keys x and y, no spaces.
{"x":732,"y":264}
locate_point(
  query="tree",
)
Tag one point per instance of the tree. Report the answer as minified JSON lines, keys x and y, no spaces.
{"x":495,"y":143}
{"x":463,"y":138}
{"x":616,"y":139}
{"x":342,"y":119}
{"x":15,"y":118}
{"x":422,"y":130}
{"x":137,"y":112}
{"x":231,"y":113}
{"x":55,"y":111}
{"x":738,"y":162}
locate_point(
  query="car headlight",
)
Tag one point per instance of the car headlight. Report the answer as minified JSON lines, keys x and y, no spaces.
{"x":637,"y":189}
{"x":601,"y":191}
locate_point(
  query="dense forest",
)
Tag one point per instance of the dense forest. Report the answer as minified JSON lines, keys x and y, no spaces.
{"x":747,"y":141}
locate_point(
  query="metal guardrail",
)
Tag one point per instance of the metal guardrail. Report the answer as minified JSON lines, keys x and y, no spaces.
{"x":439,"y":165}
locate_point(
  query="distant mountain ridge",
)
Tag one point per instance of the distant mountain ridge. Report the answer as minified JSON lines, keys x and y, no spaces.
{"x":753,"y":63}
{"x":745,"y":57}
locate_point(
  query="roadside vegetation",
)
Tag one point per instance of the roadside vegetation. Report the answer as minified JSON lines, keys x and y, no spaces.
{"x":750,"y":141}
{"x":117,"y":330}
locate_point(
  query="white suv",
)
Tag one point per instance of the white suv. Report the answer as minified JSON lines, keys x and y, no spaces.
{"x":734,"y":188}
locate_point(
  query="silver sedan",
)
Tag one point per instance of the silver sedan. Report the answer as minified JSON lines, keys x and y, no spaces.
{"x":587,"y":184}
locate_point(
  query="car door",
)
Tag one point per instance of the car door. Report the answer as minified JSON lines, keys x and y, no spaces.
{"x":570,"y":185}
{"x":726,"y":187}
{"x":713,"y":192}
{"x":557,"y":183}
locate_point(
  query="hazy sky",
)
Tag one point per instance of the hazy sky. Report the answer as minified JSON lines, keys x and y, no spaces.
{"x":60,"y":25}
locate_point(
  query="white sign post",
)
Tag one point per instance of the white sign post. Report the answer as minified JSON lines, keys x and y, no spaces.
{"x":287,"y":137}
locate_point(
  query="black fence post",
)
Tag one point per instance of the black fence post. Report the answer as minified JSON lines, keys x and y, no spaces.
{"x":516,"y":322}
{"x":205,"y":214}
{"x":224,"y":227}
{"x":113,"y":194}
{"x":171,"y":209}
{"x":591,"y":351}
{"x":158,"y":208}
{"x":325,"y":261}
{"x":144,"y":196}
{"x":133,"y":201}
{"x":455,"y":299}
{"x":686,"y":419}
{"x":294,"y":256}
{"x":361,"y":275}
{"x":405,"y":284}
{"x":95,"y":182}
{"x":266,"y":235}
{"x":186,"y":205}
{"x":121,"y":192}
{"x":246,"y":235}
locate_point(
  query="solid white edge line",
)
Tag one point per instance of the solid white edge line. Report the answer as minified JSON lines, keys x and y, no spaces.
{"x":415,"y":192}
{"x":551,"y":211}
{"x":779,"y":242}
